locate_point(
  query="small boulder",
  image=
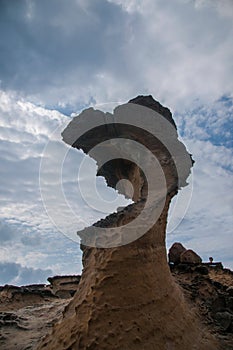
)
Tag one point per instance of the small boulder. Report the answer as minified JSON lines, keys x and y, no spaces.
{"x":190,"y":257}
{"x":174,"y":253}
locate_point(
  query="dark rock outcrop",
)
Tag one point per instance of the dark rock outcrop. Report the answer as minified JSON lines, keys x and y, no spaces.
{"x":209,"y":294}
{"x":190,"y":257}
{"x":175,"y":252}
{"x":179,"y":254}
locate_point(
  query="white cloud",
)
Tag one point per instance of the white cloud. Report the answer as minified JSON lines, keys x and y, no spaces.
{"x":27,"y":234}
{"x":210,"y":122}
{"x":207,"y":224}
{"x":12,"y":273}
{"x":223,"y":7}
{"x":70,"y":57}
{"x":6,"y":232}
{"x":178,"y":51}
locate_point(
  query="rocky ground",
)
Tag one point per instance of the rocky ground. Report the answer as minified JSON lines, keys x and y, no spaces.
{"x":209,"y":289}
{"x":28,"y":313}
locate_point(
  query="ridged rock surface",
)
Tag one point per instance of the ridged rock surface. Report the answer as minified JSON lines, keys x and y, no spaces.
{"x":127,"y":298}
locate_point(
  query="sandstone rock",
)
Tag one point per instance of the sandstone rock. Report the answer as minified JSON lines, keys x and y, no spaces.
{"x":12,"y":297}
{"x":64,"y":286}
{"x":11,"y":319}
{"x":190,"y":257}
{"x":127,"y":298}
{"x":15,"y":297}
{"x":23,"y":328}
{"x":175,"y":252}
{"x":65,"y":294}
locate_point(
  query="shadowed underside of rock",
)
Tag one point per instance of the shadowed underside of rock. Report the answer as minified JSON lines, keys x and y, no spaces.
{"x":127,"y":298}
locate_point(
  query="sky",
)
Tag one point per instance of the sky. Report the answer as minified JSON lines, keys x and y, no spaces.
{"x":59,"y":57}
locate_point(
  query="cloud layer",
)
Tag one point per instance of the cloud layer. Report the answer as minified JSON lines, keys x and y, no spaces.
{"x":65,"y":56}
{"x":28,"y":236}
{"x":69,"y":55}
{"x":16,"y":274}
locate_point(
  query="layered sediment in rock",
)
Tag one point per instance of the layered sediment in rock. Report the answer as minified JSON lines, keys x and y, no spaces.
{"x":208,"y":288}
{"x":64,"y":286}
{"x":127,"y":298}
{"x":16,"y":297}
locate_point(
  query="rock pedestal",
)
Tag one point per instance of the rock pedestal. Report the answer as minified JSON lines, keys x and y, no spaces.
{"x":127,"y":298}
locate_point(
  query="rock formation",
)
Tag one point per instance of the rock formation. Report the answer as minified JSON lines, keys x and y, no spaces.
{"x":179,"y":254}
{"x":175,"y":252}
{"x":64,"y":286}
{"x":207,"y":288}
{"x":190,"y":257}
{"x":28,"y":312}
{"x":127,"y":298}
{"x":15,"y":297}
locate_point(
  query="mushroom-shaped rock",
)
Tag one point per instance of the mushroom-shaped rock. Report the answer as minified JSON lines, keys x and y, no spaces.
{"x":127,"y":298}
{"x":190,"y":257}
{"x":174,"y":253}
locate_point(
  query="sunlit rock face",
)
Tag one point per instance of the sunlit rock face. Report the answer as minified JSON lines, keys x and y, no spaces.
{"x":127,"y":298}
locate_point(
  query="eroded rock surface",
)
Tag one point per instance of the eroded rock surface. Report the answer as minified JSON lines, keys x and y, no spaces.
{"x":16,"y":297}
{"x":22,"y":328}
{"x":27,"y":313}
{"x":209,"y":294}
{"x":64,"y":286}
{"x":13,"y":297}
{"x":127,"y":298}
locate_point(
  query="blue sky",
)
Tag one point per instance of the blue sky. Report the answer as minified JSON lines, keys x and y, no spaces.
{"x":58,"y":57}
